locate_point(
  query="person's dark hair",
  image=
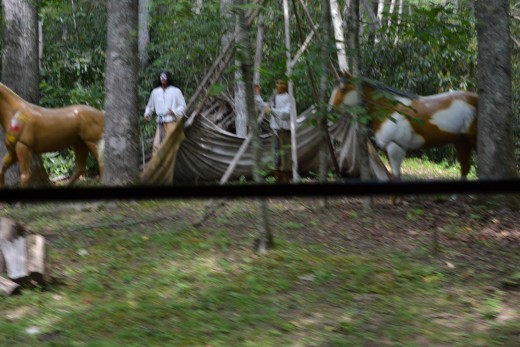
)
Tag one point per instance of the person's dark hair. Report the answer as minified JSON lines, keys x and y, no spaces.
{"x":168,"y":76}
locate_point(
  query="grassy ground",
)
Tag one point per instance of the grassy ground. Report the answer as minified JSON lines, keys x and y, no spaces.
{"x":139,"y":274}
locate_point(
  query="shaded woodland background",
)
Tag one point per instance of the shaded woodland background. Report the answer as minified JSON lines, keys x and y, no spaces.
{"x":415,"y":46}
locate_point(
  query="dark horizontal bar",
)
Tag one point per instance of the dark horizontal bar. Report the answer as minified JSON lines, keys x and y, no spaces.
{"x":348,"y":188}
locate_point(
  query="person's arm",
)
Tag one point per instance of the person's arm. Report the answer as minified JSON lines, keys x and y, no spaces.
{"x":261,"y":104}
{"x":180,"y":110}
{"x":178,"y":104}
{"x":150,"y":107}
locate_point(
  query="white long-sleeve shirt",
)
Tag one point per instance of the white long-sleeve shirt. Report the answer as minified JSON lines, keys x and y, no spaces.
{"x":280,"y":110}
{"x":163,"y":100}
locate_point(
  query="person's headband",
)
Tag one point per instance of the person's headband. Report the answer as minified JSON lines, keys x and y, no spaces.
{"x":163,"y":76}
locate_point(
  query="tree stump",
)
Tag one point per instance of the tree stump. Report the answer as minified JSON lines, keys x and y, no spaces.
{"x":22,"y":256}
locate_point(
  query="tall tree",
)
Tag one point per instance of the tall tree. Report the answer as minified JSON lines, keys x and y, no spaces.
{"x":325,"y":42}
{"x":372,"y":17}
{"x":391,"y":12}
{"x":259,"y":48}
{"x":380,"y":8}
{"x":338,"y":35}
{"x":144,"y":34}
{"x":495,"y":148}
{"x":238,"y":87}
{"x":197,"y":6}
{"x":354,"y":47}
{"x":121,"y":156}
{"x":246,"y":64}
{"x":294,"y":145}
{"x":241,"y":117}
{"x":20,"y":67}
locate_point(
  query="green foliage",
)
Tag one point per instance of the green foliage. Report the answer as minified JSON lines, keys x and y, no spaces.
{"x":182,"y":42}
{"x":58,"y":164}
{"x":72,"y":66}
{"x":73,"y":62}
{"x":429,"y":50}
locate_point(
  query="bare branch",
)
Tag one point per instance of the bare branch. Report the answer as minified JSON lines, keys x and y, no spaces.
{"x":515,"y":40}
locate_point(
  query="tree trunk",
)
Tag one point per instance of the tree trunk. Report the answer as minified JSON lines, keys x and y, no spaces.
{"x":338,"y":35}
{"x":121,"y":156}
{"x":294,"y":145}
{"x":390,"y":12}
{"x":325,"y":41}
{"x":20,"y":69}
{"x":495,"y":117}
{"x":400,"y":12}
{"x":240,"y":106}
{"x":197,"y":6}
{"x":244,"y":53}
{"x":238,"y":86}
{"x":258,"y":48}
{"x":374,"y":22}
{"x":240,"y":96}
{"x":227,"y":16}
{"x":380,"y":9}
{"x":353,"y":44}
{"x":144,"y":34}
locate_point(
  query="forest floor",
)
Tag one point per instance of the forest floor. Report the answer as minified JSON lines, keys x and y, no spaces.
{"x":427,"y":272}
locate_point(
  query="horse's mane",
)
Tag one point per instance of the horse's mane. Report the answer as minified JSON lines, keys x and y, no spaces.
{"x":383,"y":87}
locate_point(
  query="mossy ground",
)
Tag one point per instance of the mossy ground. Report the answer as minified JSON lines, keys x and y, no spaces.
{"x":427,"y":272}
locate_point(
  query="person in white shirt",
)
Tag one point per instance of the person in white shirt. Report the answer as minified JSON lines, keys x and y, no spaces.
{"x":280,"y":111}
{"x":168,"y":103}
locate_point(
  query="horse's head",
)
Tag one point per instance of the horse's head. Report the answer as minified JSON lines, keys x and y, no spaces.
{"x":345,"y":93}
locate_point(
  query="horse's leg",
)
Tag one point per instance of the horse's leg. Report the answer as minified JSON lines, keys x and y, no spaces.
{"x":463,"y":150}
{"x":24,"y":155}
{"x":9,"y":160}
{"x":93,"y":148}
{"x":396,"y":156}
{"x":80,"y":158}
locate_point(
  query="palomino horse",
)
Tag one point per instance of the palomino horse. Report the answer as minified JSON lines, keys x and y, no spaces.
{"x":404,"y":122}
{"x":32,"y":129}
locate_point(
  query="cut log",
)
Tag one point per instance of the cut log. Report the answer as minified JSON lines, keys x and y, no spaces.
{"x":9,"y":229}
{"x":15,"y":258}
{"x":8,"y":287}
{"x":12,"y":247}
{"x":22,"y":256}
{"x":36,"y":259}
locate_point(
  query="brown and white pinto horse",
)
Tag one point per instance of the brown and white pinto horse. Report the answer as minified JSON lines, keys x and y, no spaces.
{"x":32,"y":129}
{"x":404,"y":122}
